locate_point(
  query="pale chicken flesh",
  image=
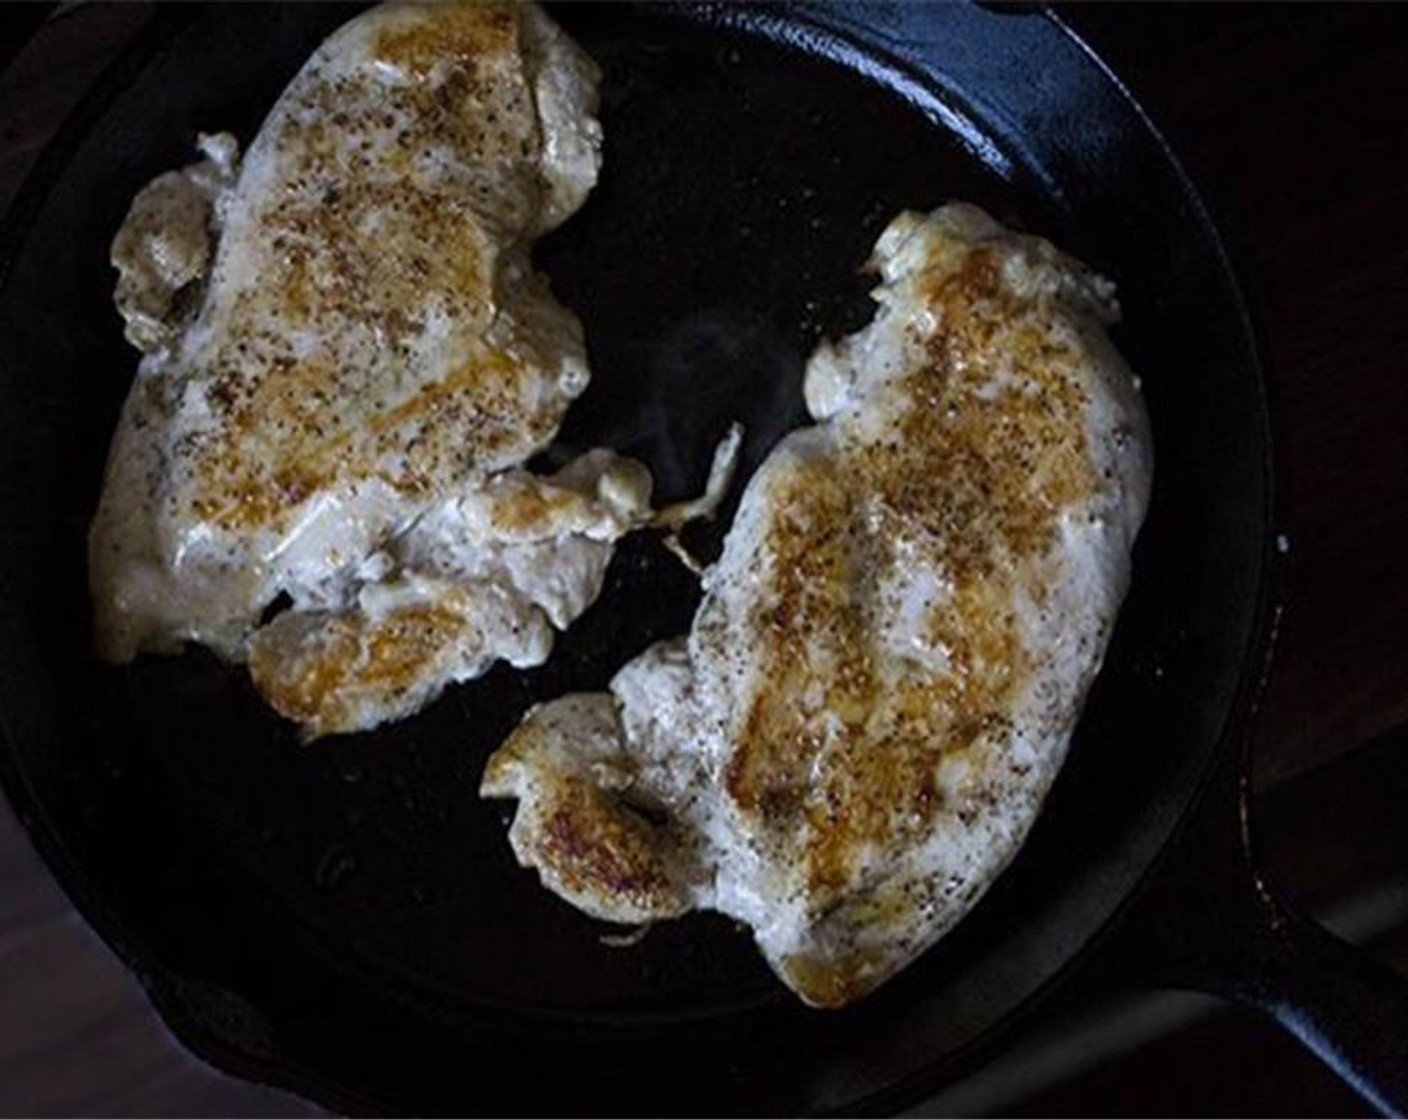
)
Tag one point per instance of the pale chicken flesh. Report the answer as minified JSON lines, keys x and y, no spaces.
{"x":894,"y":648}
{"x":347,"y":360}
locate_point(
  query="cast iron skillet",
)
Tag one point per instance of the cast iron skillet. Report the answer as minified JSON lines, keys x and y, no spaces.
{"x":346,"y":919}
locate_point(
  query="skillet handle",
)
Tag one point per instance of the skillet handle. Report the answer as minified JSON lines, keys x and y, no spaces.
{"x":1209,"y":921}
{"x":1341,"y":1003}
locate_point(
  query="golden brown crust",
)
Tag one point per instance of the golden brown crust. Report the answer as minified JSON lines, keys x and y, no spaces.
{"x":468,"y":31}
{"x":363,"y":262}
{"x":575,"y":826}
{"x":592,"y":843}
{"x":322,"y":670}
{"x":834,"y":758}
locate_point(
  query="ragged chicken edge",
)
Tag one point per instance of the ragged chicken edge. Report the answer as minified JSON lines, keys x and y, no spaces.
{"x":620,"y":808}
{"x":490,"y":575}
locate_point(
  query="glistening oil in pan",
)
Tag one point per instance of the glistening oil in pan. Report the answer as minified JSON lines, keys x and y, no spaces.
{"x":744,"y":183}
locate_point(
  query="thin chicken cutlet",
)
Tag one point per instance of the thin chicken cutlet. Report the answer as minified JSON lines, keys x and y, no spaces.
{"x":894,"y":648}
{"x":347,"y":359}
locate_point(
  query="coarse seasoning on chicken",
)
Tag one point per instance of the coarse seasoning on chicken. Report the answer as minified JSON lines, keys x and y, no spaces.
{"x":347,"y":359}
{"x":894,"y":648}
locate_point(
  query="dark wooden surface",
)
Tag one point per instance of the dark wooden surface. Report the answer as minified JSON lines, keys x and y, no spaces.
{"x":1294,"y":122}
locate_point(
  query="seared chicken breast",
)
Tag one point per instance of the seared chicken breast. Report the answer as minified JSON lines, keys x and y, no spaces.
{"x":347,"y":359}
{"x":894,"y":648}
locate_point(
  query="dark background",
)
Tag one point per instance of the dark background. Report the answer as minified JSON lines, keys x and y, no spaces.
{"x":1293,"y":121}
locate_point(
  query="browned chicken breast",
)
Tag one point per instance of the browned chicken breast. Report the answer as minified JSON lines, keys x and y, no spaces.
{"x":346,"y":347}
{"x":892,"y":653}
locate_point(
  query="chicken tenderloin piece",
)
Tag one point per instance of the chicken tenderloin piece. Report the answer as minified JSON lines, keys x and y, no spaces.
{"x":893,"y":650}
{"x":347,"y":359}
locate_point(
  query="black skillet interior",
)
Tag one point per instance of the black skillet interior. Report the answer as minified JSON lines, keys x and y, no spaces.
{"x":346,"y":918}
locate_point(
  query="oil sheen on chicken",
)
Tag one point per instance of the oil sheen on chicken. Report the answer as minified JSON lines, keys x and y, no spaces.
{"x":347,"y":357}
{"x":894,"y":648}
